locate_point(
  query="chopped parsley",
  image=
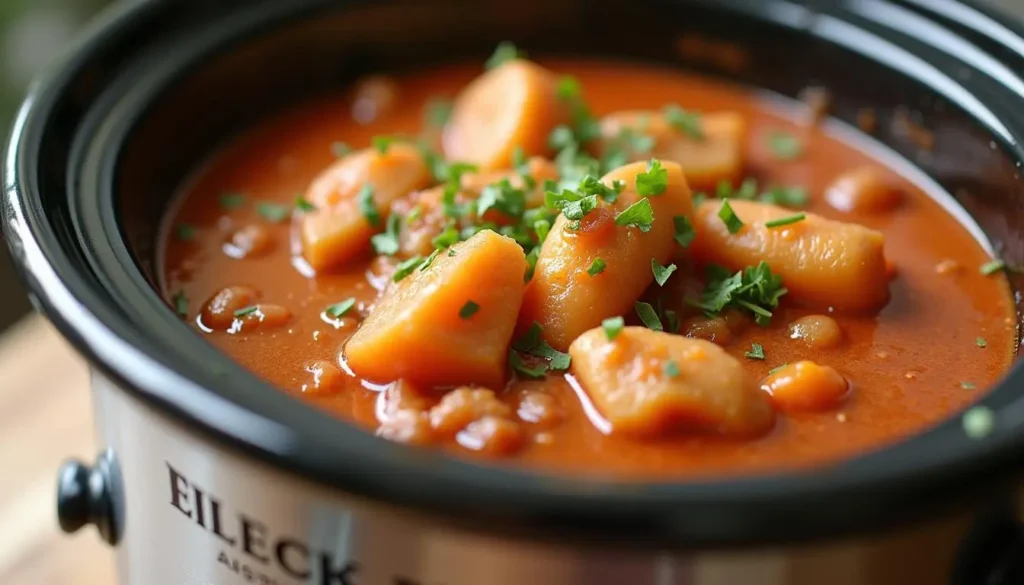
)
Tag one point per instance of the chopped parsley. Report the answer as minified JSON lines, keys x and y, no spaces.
{"x":505,"y":51}
{"x":273,"y":212}
{"x":990,"y":268}
{"x":231,"y":200}
{"x":732,"y":222}
{"x":612,"y":327}
{"x":503,"y":197}
{"x":661,"y":273}
{"x":430,"y":259}
{"x":785,"y":146}
{"x":653,"y":181}
{"x":785,"y":196}
{"x":569,"y":88}
{"x":649,"y":316}
{"x":180,"y":304}
{"x":437,"y":112}
{"x":451,"y":252}
{"x":672,"y":369}
{"x":686,"y":122}
{"x":386,"y":243}
{"x":406,"y":267}
{"x":532,"y":343}
{"x":468,"y":310}
{"x":303,"y":205}
{"x":639,"y":215}
{"x":778,"y":368}
{"x":339,"y":310}
{"x":245,"y":312}
{"x":382,"y":143}
{"x":185,"y":232}
{"x":979,"y":422}
{"x":981,"y":342}
{"x":367,"y":206}
{"x":756,"y":352}
{"x":671,"y":322}
{"x":515,"y":361}
{"x":755,"y":289}
{"x":783,"y":221}
{"x":684,"y":231}
{"x":596,"y":267}
{"x":542,"y":228}
{"x":340,"y":149}
{"x":446,"y":239}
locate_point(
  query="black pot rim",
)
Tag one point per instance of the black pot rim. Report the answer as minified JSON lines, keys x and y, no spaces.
{"x":900,"y":483}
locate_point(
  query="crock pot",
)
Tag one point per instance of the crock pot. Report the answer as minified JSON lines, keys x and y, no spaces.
{"x":209,"y":476}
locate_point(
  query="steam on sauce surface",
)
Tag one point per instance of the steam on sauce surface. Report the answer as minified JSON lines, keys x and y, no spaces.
{"x":844,"y":310}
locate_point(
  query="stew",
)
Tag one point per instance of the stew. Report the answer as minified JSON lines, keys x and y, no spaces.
{"x":592,"y":267}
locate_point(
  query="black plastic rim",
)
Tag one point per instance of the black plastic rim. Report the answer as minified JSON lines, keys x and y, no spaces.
{"x":911,"y":479}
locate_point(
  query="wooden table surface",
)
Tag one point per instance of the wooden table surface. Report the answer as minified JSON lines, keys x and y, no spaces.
{"x":45,"y":417}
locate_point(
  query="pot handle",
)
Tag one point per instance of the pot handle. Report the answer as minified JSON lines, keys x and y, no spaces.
{"x":91,"y":495}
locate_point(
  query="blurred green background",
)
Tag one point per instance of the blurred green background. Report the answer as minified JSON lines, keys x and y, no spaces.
{"x":32,"y":33}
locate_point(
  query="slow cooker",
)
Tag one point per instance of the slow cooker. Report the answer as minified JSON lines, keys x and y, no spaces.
{"x":209,"y":476}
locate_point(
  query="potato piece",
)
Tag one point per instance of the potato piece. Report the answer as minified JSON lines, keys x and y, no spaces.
{"x":817,"y":331}
{"x":718,"y":156}
{"x":564,"y":298}
{"x":806,"y":386}
{"x":651,"y":383}
{"x":338,"y":231}
{"x":515,"y":104}
{"x":429,"y":221}
{"x":425,"y":330}
{"x":822,"y":262}
{"x":865,"y":189}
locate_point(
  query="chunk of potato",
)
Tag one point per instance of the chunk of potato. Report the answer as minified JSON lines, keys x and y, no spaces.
{"x":564,"y":298}
{"x":338,"y":231}
{"x":865,"y":189}
{"x":426,"y":329}
{"x":822,"y":262}
{"x":717,"y":156}
{"x":513,"y":105}
{"x":425,"y":213}
{"x":650,"y":383}
{"x":806,"y":386}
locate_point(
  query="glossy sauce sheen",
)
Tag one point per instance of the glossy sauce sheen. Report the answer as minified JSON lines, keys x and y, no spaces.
{"x":906,"y":365}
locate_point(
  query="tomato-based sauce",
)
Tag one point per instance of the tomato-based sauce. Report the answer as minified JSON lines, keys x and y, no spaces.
{"x":906,"y":360}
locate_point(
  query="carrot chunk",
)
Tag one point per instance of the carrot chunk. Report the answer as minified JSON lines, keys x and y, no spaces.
{"x":564,"y":297}
{"x":352,"y":200}
{"x":449,"y":324}
{"x":513,"y":105}
{"x":650,"y":383}
{"x":806,"y":386}
{"x":822,"y":262}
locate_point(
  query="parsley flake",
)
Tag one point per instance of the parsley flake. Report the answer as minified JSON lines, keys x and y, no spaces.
{"x":339,"y":310}
{"x":185,"y":232}
{"x":596,"y":267}
{"x":612,"y":327}
{"x":684,"y":231}
{"x":505,"y":51}
{"x":180,"y":303}
{"x":783,"y":221}
{"x":468,"y":310}
{"x":387,"y":243}
{"x":778,"y":368}
{"x":649,"y":316}
{"x":732,"y":222}
{"x":246,"y":311}
{"x":686,"y":122}
{"x":672,"y":369}
{"x":756,"y":352}
{"x":981,"y":342}
{"x":367,"y":205}
{"x":437,"y":111}
{"x":755,"y":289}
{"x":515,"y":361}
{"x":340,"y":149}
{"x":532,"y":343}
{"x":785,"y":146}
{"x":661,"y":273}
{"x":231,"y":201}
{"x":785,"y":196}
{"x":303,"y":205}
{"x":653,"y":181}
{"x":639,"y":215}
{"x":273,"y":212}
{"x":990,"y":268}
{"x":406,"y":267}
{"x":383,"y":143}
{"x":430,"y":259}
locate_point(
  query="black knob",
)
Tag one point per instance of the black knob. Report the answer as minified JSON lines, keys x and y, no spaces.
{"x":91,"y":495}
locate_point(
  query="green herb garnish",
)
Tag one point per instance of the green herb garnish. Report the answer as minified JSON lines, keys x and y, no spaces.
{"x":981,"y":342}
{"x":340,"y":149}
{"x":430,"y":259}
{"x":505,"y":51}
{"x":778,"y":368}
{"x":686,"y":122}
{"x":383,"y":143}
{"x":532,"y":343}
{"x":339,"y":310}
{"x":515,"y":361}
{"x":756,"y":352}
{"x":596,"y":267}
{"x":273,"y":212}
{"x":386,"y":243}
{"x":755,"y":289}
{"x":231,"y":200}
{"x":784,"y":145}
{"x":732,"y":222}
{"x":789,"y":219}
{"x":684,"y":231}
{"x":180,"y":303}
{"x":649,"y":316}
{"x":639,"y":215}
{"x":367,"y":205}
{"x":661,"y":273}
{"x":244,"y":312}
{"x":303,"y":205}
{"x":990,"y":268}
{"x":612,"y":327}
{"x":672,"y":369}
{"x":185,"y":232}
{"x":406,"y":267}
{"x":653,"y":181}
{"x":785,"y":196}
{"x":468,"y":310}
{"x":437,"y":112}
